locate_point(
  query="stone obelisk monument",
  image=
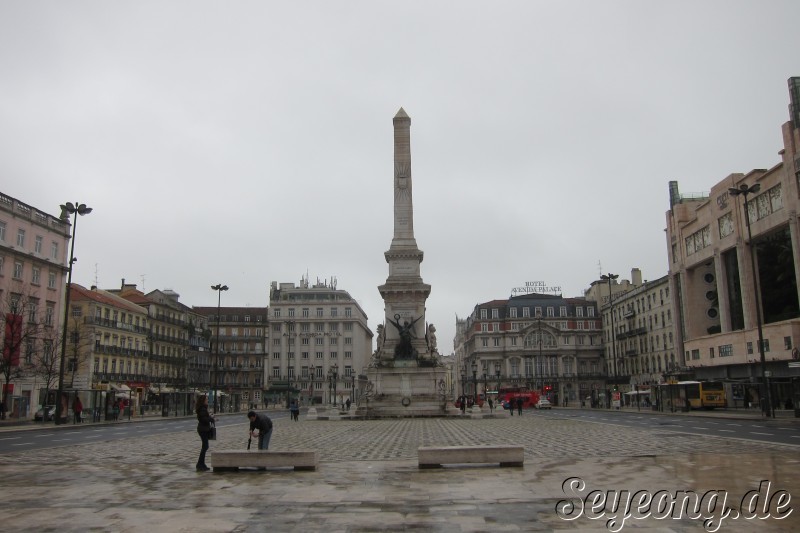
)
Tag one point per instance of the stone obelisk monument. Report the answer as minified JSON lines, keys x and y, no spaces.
{"x":404,"y":378}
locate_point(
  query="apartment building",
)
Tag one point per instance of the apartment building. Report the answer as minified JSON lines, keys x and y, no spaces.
{"x":33,"y":275}
{"x":542,"y":342}
{"x":319,"y":341}
{"x":638,"y":330}
{"x":238,"y":337}
{"x":724,"y":284}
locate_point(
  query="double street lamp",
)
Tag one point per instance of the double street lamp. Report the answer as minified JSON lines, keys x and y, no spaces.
{"x":219,"y":288}
{"x":67,"y":209}
{"x":744,"y":190}
{"x":610,"y":278}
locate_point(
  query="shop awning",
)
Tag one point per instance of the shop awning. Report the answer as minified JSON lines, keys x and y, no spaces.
{"x":120,"y":387}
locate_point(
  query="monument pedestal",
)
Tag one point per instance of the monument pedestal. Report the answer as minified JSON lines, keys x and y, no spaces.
{"x":405,"y":392}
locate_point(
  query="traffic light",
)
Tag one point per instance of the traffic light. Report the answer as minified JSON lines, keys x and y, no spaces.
{"x":616,"y":388}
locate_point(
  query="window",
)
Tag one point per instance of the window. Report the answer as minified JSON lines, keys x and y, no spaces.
{"x":551,"y":312}
{"x":36,"y":275}
{"x":348,"y":340}
{"x":37,"y":244}
{"x":49,"y":314}
{"x":483,"y":314}
{"x":590,"y":311}
{"x":348,"y":312}
{"x":579,"y":311}
{"x":18,"y":269}
{"x":2,"y":231}
{"x":319,"y":312}
{"x":711,"y":352}
{"x":538,"y":311}
{"x":562,"y":311}
{"x":334,"y":312}
{"x":305,"y":312}
{"x":21,"y":238}
{"x":695,"y":354}
{"x":276,"y":313}
{"x":495,"y":313}
{"x":485,"y":343}
{"x":513,"y":312}
{"x":726,"y":350}
{"x":496,"y":341}
{"x":484,"y":328}
{"x":526,"y":312}
{"x":787,"y":343}
{"x":318,"y":355}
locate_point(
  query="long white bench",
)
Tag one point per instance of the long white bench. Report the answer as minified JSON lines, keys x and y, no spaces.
{"x":235,"y":459}
{"x":436,"y":456}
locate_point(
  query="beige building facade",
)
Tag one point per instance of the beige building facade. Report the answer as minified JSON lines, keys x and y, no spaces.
{"x":717,"y":299}
{"x":319,"y":342}
{"x":540,"y":342}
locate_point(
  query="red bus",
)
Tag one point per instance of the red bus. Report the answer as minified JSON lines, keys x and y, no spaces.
{"x":510,"y":395}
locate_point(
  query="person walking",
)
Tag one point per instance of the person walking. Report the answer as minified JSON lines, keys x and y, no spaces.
{"x":77,"y":409}
{"x":491,"y":406}
{"x":204,"y":423}
{"x":294,"y":410}
{"x":519,"y":406}
{"x":263,"y":424}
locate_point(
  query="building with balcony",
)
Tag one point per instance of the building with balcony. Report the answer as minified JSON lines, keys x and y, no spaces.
{"x":319,"y":341}
{"x":33,"y":277}
{"x":718,"y":302}
{"x":168,"y":337}
{"x":642,"y":330}
{"x":238,"y":337}
{"x":541,"y":342}
{"x":108,"y":344}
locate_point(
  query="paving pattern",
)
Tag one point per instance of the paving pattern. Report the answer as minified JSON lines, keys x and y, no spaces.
{"x":368,"y":480}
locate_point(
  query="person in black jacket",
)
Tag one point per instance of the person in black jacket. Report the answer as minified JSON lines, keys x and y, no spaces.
{"x":204,"y":421}
{"x":263,"y":424}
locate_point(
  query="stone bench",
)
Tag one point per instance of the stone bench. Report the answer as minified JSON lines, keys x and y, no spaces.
{"x":235,"y":459}
{"x":436,"y":456}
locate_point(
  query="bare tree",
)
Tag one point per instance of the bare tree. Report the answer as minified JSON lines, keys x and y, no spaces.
{"x":22,"y":327}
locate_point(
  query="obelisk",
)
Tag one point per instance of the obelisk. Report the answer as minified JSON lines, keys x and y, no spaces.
{"x":404,"y":294}
{"x":404,"y":379}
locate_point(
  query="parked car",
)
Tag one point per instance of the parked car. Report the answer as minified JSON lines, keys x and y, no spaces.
{"x":45,"y":414}
{"x":543,"y":403}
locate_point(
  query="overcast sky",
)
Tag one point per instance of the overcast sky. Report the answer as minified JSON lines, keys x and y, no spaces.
{"x":248,"y":142}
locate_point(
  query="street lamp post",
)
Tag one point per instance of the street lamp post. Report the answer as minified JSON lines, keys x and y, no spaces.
{"x":332,"y":375}
{"x":288,"y":334}
{"x":540,"y":364}
{"x":610,"y":278}
{"x":67,"y":209}
{"x":219,"y":287}
{"x":463,"y":382}
{"x":497,"y":375}
{"x":745,"y":190}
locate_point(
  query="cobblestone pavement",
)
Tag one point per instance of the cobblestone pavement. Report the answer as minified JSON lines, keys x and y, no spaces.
{"x":368,"y":479}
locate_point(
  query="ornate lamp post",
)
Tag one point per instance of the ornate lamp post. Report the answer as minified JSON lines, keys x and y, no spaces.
{"x":67,"y":209}
{"x":464,"y":382}
{"x":497,"y":374}
{"x":219,"y":288}
{"x":540,"y":363}
{"x":745,"y":190}
{"x":333,"y":374}
{"x":475,"y":381}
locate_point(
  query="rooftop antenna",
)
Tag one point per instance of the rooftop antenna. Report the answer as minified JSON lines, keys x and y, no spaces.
{"x":599,"y":268}
{"x":95,"y":276}
{"x":141,"y":276}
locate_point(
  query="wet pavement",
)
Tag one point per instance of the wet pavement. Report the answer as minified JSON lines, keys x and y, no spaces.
{"x":368,"y":480}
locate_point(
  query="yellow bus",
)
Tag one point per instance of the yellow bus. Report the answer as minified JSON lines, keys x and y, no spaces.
{"x":695,"y":394}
